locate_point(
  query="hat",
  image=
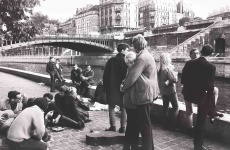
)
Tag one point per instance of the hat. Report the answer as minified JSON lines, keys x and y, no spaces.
{"x":207,"y":50}
{"x":41,"y":103}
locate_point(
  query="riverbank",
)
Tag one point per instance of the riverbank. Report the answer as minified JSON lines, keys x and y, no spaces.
{"x":220,"y":129}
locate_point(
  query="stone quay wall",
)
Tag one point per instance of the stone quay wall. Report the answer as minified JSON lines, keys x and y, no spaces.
{"x":222,"y":63}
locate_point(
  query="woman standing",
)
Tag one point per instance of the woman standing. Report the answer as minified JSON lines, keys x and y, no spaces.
{"x":141,"y":79}
{"x":166,"y":80}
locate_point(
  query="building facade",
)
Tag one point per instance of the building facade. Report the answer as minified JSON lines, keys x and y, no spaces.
{"x":185,"y":7}
{"x":154,"y":13}
{"x":68,"y":27}
{"x":118,"y":16}
{"x":86,"y":20}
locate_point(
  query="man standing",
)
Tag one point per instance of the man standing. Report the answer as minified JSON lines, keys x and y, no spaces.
{"x":52,"y":70}
{"x":198,"y":77}
{"x":194,"y":54}
{"x":76,"y":77}
{"x":114,"y":74}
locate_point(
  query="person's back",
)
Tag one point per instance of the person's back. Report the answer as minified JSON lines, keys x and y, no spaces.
{"x":28,"y":120}
{"x":198,"y":75}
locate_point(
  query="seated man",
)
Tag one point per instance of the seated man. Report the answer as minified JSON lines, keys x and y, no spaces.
{"x":27,"y":130}
{"x":54,"y":116}
{"x":12,"y":107}
{"x":87,"y":77}
{"x":69,"y":105}
{"x":76,"y":74}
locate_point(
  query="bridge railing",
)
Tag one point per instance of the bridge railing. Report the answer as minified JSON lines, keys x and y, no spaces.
{"x":72,"y":37}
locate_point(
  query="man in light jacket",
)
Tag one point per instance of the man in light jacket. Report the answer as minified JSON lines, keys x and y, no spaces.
{"x":142,"y":76}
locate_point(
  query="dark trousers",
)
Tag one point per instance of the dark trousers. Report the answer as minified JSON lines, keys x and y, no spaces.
{"x":140,"y":121}
{"x":132,"y":130}
{"x":29,"y":144}
{"x":53,"y":76}
{"x":203,"y":111}
{"x":67,"y":122}
{"x":170,"y":120}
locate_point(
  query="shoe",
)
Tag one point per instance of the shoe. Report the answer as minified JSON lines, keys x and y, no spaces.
{"x":112,"y":128}
{"x":47,"y":138}
{"x":81,"y":124}
{"x":219,"y":115}
{"x":202,"y":147}
{"x":88,"y":120}
{"x":63,"y":81}
{"x":121,"y":130}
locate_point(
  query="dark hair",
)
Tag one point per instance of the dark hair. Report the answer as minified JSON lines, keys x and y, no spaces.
{"x":51,"y":57}
{"x":30,"y":102}
{"x":122,"y":46}
{"x":13,"y":94}
{"x":58,"y":60}
{"x":42,"y":103}
{"x":48,"y":95}
{"x":207,"y":50}
{"x":193,"y":50}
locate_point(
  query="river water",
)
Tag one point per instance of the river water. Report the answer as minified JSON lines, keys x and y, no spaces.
{"x":223,"y":104}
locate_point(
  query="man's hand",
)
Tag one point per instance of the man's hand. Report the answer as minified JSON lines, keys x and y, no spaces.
{"x":121,"y":88}
{"x":2,"y":120}
{"x":56,"y":120}
{"x":49,"y":114}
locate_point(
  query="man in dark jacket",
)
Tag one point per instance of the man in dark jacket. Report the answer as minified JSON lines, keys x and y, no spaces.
{"x":87,"y":79}
{"x":114,"y":74}
{"x":52,"y":70}
{"x":76,"y":77}
{"x":198,"y":77}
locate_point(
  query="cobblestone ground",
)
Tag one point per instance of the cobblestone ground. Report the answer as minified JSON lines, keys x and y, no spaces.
{"x":71,"y":139}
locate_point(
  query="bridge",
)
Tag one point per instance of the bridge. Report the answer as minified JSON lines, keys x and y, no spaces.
{"x":81,"y":43}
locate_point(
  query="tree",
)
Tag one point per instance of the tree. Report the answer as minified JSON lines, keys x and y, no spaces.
{"x":14,"y":14}
{"x":184,"y":20}
{"x":38,"y":20}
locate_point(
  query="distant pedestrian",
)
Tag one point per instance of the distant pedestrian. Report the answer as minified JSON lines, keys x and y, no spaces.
{"x":114,"y":74}
{"x":198,"y":78}
{"x":52,"y":70}
{"x":28,"y":128}
{"x":59,"y":69}
{"x":142,"y":76}
{"x":76,"y":77}
{"x":87,"y":80}
{"x":167,"y":79}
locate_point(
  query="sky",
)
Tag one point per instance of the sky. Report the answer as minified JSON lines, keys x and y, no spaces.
{"x":65,"y":9}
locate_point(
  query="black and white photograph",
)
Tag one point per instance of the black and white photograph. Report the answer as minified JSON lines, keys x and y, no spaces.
{"x":114,"y":75}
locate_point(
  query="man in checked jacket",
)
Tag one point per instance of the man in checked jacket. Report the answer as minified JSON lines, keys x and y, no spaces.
{"x":52,"y":70}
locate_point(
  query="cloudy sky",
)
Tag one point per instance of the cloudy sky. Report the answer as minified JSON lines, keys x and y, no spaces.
{"x":64,"y":9}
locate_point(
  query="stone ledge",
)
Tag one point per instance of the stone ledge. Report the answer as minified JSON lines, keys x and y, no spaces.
{"x":37,"y":77}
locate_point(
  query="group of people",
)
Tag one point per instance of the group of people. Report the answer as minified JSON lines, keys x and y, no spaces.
{"x":133,"y":81}
{"x":80,"y":79}
{"x":24,"y":120}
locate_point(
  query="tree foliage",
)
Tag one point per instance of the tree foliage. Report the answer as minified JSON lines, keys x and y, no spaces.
{"x":15,"y":15}
{"x":38,"y":19}
{"x":184,"y":20}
